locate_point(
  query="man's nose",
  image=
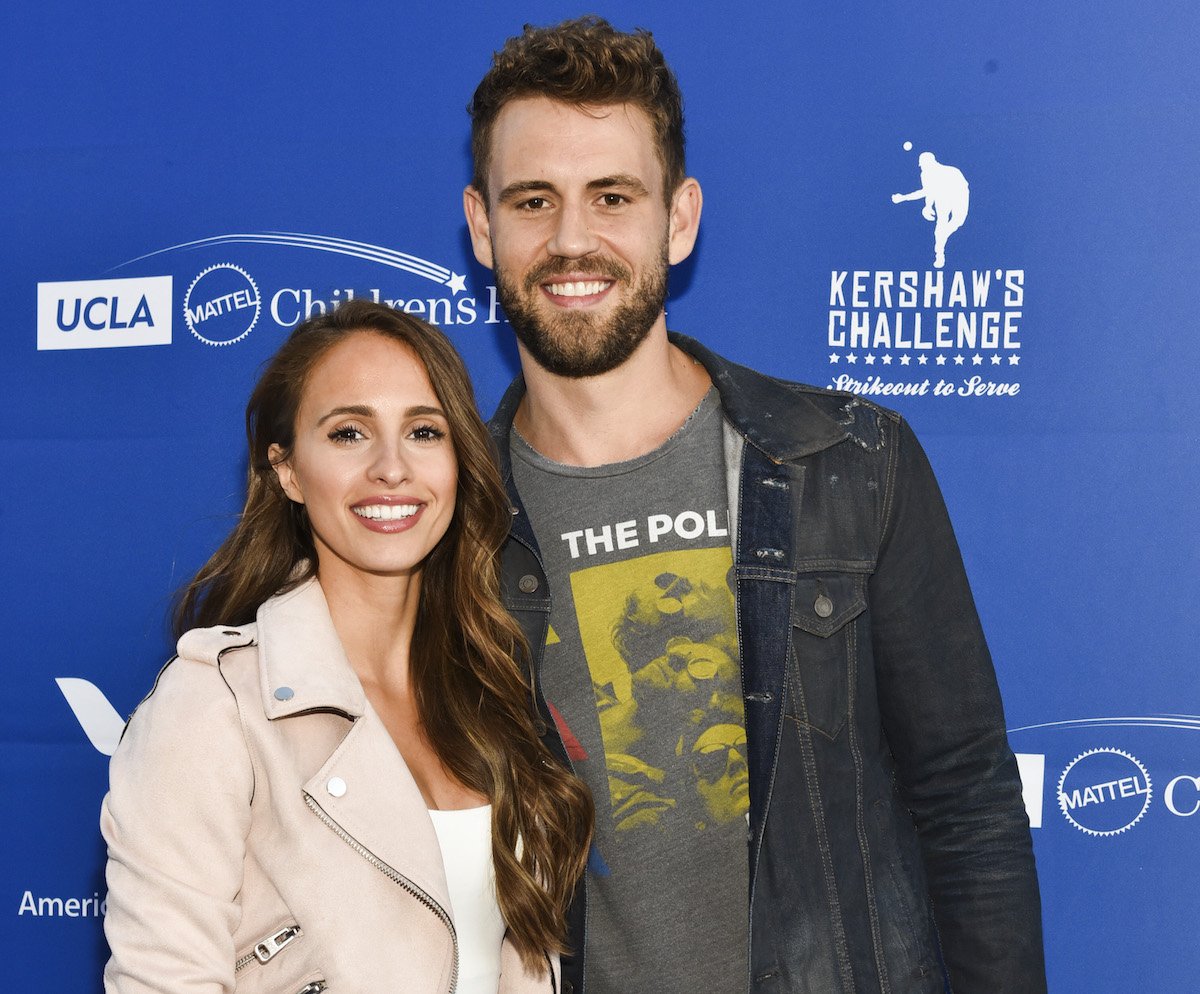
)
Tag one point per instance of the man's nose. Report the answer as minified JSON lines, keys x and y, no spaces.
{"x":572,"y":237}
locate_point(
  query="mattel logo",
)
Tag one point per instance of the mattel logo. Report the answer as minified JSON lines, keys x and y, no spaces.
{"x":104,"y":314}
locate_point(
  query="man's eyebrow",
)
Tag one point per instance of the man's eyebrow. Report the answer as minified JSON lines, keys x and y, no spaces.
{"x":362,"y":411}
{"x":514,"y":190}
{"x":621,"y":181}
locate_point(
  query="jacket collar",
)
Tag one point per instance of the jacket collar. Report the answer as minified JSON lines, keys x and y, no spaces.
{"x":302,"y":665}
{"x":770,"y":414}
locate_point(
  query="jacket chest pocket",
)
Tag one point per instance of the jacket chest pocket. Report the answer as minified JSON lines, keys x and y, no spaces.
{"x":824,"y":647}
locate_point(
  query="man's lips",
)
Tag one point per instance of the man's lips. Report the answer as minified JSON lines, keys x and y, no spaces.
{"x":577,"y":292}
{"x":577,"y":288}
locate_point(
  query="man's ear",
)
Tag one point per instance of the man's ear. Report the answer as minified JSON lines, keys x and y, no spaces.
{"x":284,"y":473}
{"x":686,"y":204}
{"x":475,"y":208}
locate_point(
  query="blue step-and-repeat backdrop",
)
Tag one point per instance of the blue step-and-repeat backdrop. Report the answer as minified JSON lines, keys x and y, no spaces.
{"x":182,"y":184}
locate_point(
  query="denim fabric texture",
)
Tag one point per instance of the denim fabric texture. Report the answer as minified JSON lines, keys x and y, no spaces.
{"x":889,"y":849}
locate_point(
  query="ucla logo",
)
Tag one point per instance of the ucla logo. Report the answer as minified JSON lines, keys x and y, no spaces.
{"x":222,"y":305}
{"x":97,"y":314}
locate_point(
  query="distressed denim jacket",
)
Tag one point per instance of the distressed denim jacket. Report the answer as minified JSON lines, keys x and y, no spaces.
{"x":889,"y":847}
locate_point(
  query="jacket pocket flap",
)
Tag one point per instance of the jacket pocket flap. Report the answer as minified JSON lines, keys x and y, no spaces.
{"x":824,"y":602}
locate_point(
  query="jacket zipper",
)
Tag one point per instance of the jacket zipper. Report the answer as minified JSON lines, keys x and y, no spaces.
{"x":396,"y":877}
{"x":268,"y":947}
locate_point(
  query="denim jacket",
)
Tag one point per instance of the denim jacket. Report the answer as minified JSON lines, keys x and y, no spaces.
{"x":889,"y":847}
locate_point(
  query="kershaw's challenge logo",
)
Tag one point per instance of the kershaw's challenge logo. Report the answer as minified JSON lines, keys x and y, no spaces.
{"x":963,"y":326}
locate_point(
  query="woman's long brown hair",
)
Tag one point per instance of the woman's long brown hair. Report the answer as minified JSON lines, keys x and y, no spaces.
{"x":471,"y":695}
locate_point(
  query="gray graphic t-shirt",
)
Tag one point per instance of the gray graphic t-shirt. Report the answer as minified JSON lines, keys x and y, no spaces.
{"x":641,"y":672}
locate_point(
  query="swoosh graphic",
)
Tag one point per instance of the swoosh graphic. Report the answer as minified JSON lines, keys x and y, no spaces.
{"x":100,"y":721}
{"x":320,"y":243}
{"x":1188,"y":722}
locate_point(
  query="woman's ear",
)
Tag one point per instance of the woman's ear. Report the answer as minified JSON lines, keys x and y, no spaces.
{"x":284,"y":473}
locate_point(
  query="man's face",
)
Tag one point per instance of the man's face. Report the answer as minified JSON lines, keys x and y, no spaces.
{"x":578,"y":232}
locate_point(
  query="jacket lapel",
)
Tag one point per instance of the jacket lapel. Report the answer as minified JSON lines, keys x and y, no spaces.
{"x":364,"y":787}
{"x":765,"y":566}
{"x":367,"y":791}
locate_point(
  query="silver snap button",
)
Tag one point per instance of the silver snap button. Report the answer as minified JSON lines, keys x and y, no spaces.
{"x":336,"y":786}
{"x":528,"y":583}
{"x":284,"y":693}
{"x":823,"y":607}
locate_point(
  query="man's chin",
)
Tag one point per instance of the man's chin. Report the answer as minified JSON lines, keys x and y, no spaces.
{"x":574,"y":364}
{"x":579,"y":346}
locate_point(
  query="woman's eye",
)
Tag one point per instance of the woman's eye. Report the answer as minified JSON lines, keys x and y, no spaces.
{"x":427,"y":433}
{"x":345,"y":434}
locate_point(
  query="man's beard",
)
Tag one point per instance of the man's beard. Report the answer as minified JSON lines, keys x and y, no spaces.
{"x":577,"y":344}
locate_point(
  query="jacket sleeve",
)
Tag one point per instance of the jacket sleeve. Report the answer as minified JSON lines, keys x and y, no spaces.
{"x":176,"y":819}
{"x":945,"y":725}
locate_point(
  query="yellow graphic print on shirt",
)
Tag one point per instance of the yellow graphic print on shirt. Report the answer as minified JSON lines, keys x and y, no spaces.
{"x":660,"y":638}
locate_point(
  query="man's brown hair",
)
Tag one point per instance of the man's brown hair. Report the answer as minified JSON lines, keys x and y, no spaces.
{"x":584,"y":62}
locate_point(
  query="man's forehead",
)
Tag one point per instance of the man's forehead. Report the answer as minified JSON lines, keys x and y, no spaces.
{"x":533,"y":105}
{"x":535,"y":131}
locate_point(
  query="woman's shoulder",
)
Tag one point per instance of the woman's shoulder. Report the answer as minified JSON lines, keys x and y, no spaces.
{"x":197,"y":683}
{"x":209,"y":645}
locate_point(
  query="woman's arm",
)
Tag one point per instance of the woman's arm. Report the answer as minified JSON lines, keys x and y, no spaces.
{"x":176,"y":819}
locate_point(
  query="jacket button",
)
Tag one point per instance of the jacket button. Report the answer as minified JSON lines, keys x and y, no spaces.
{"x":336,"y":786}
{"x":823,"y":607}
{"x":527,"y":584}
{"x":568,"y":987}
{"x":284,"y":693}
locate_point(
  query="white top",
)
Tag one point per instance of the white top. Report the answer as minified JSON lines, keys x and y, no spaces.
{"x":465,"y":837}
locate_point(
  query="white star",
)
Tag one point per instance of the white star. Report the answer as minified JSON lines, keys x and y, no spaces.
{"x":851,"y":358}
{"x":941,"y":360}
{"x":958,"y":360}
{"x":869,"y":359}
{"x":887,"y":359}
{"x":905,"y":359}
{"x":833,"y":357}
{"x":977,"y":360}
{"x":923,"y":359}
{"x":995,"y":360}
{"x":457,"y":283}
{"x":1013,"y":360}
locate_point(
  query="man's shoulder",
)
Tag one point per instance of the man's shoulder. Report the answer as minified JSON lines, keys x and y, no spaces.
{"x":751,"y":396}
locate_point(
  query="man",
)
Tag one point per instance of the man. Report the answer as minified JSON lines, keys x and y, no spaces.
{"x":675,"y":513}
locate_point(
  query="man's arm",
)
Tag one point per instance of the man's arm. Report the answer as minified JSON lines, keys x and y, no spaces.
{"x":945,"y":725}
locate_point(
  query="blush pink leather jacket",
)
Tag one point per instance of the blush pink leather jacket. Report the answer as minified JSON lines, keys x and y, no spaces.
{"x":264,"y":833}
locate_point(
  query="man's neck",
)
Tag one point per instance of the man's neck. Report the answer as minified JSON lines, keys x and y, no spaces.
{"x":619,"y":415}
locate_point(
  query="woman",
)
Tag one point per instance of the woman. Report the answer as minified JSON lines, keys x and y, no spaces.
{"x":323,"y":783}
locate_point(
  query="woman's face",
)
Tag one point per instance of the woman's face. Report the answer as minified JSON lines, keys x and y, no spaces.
{"x":373,"y":461}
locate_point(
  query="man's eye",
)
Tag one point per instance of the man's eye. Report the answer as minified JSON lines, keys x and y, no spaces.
{"x":613,"y":200}
{"x":534,"y":203}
